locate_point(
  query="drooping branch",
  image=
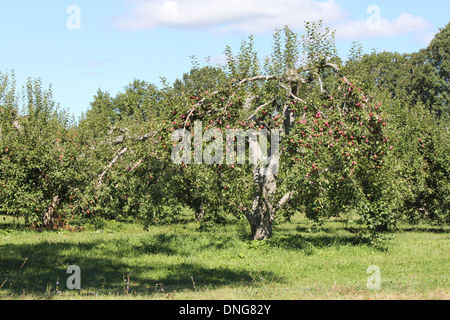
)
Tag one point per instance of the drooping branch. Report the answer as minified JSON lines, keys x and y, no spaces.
{"x":113,"y":161}
{"x":120,"y":153}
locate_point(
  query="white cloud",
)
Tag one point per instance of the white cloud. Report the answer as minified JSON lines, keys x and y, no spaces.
{"x":264,"y":16}
{"x":380,"y":27}
{"x":227,"y":15}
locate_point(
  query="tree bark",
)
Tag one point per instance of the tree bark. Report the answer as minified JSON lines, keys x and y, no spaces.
{"x":199,"y":213}
{"x":113,"y":161}
{"x":263,"y":214}
{"x":48,"y":219}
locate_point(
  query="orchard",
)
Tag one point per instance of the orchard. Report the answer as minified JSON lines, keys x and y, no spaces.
{"x":345,"y":138}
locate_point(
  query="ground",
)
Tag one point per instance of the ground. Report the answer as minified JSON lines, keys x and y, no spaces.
{"x":122,"y":261}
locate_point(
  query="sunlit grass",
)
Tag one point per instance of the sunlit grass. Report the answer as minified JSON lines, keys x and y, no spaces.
{"x":122,"y":261}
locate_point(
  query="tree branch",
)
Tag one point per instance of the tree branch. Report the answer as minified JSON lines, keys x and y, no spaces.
{"x":113,"y":161}
{"x":256,"y":78}
{"x":291,"y":94}
{"x":260,"y":107}
{"x":284,"y":200}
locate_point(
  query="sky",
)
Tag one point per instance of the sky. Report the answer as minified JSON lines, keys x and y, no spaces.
{"x":80,"y":46}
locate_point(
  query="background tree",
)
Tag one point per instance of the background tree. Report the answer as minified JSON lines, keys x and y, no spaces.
{"x":418,"y":86}
{"x":40,"y":173}
{"x":121,"y":132}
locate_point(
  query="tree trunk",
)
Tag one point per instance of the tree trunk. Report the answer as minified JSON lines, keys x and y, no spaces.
{"x":263,"y":213}
{"x":265,"y":168}
{"x":199,"y":212}
{"x":48,"y":220}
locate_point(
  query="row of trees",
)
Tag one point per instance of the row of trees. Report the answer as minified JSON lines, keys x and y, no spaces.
{"x":367,"y":136}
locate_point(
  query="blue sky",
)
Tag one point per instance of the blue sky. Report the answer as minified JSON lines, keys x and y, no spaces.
{"x":121,"y":40}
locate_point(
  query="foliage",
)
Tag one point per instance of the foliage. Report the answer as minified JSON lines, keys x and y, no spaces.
{"x":39,"y":157}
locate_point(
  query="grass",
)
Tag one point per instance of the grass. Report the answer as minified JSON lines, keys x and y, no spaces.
{"x":121,"y":261}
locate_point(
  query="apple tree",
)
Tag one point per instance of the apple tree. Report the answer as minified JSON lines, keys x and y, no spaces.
{"x":331,"y":148}
{"x":41,"y":173}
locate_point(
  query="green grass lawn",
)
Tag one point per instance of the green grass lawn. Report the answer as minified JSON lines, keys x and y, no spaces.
{"x":181,"y":262}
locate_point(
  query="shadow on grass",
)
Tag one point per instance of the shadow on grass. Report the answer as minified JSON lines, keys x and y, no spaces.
{"x":112,"y":267}
{"x":426,"y":229}
{"x":14,"y":226}
{"x":305,"y":237}
{"x":301,"y":242}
